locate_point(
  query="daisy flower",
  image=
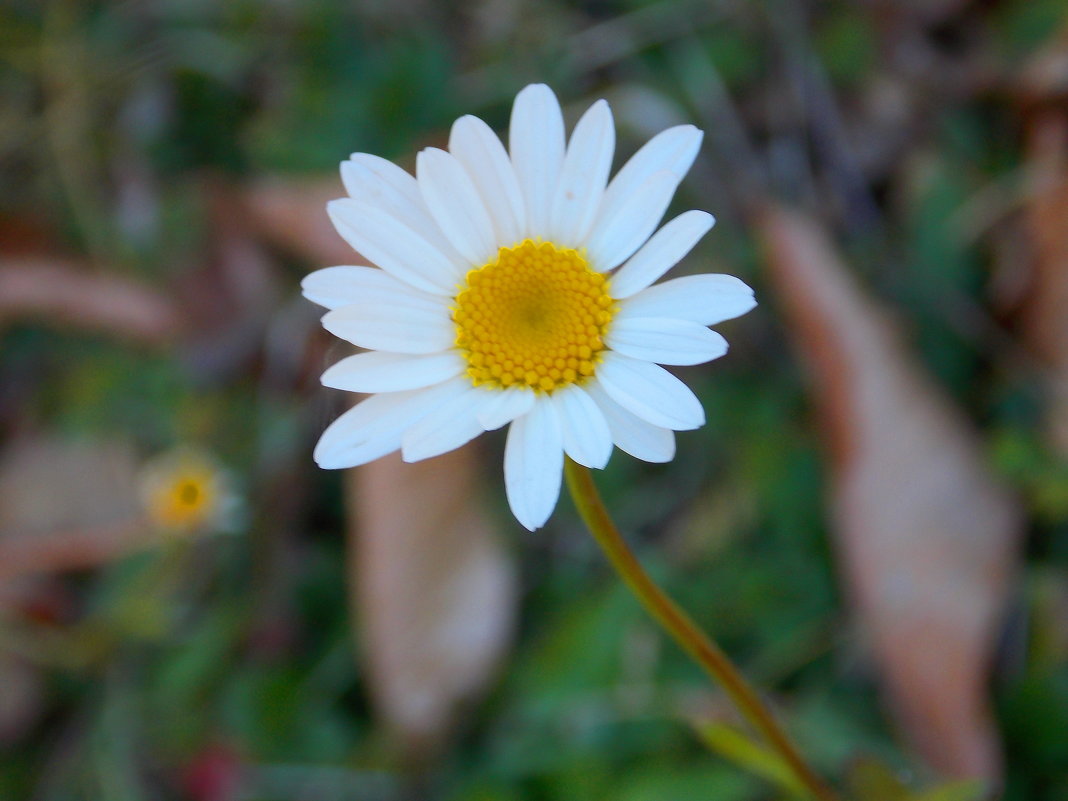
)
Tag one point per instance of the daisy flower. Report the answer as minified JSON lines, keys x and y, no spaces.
{"x":186,"y":490}
{"x":517,"y":287}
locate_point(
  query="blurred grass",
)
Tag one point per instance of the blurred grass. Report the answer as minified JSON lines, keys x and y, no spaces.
{"x":147,"y":98}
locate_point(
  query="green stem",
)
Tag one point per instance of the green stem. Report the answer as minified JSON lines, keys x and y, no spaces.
{"x":685,"y":632}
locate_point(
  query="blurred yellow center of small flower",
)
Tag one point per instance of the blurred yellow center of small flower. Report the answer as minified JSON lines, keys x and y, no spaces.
{"x":535,"y":316}
{"x":186,"y":499}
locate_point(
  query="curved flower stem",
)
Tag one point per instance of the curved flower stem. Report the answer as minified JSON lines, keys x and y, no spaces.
{"x":686,"y":633}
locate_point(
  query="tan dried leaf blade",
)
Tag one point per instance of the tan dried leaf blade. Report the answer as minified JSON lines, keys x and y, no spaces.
{"x":1045,"y":316}
{"x":64,"y":292}
{"x":67,"y":505}
{"x":435,"y":593}
{"x":926,"y":535}
{"x":291,"y":214}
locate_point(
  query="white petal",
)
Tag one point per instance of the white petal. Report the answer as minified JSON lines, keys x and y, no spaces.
{"x":661,"y":253}
{"x":507,"y":405}
{"x":379,"y":182}
{"x":335,"y":450}
{"x":631,"y":434}
{"x":455,"y":205}
{"x":334,"y":287}
{"x":401,"y":185}
{"x":373,"y":428}
{"x":586,"y":436}
{"x":704,"y":299}
{"x":378,"y":371}
{"x":481,"y":153}
{"x":398,"y":329}
{"x":665,"y":341}
{"x":533,"y":465}
{"x":650,"y":392}
{"x":536,"y":144}
{"x":583,"y":177}
{"x":337,"y":286}
{"x":616,"y":236}
{"x":394,"y":246}
{"x":673,"y":150}
{"x":450,"y":424}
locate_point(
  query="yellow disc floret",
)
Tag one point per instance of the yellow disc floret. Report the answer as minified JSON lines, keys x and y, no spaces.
{"x":181,"y":491}
{"x":536,"y":316}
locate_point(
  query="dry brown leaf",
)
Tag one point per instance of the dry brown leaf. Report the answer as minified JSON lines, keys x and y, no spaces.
{"x":64,"y":292}
{"x":927,"y":536}
{"x":291,"y":214}
{"x":1045,"y":322}
{"x":66,"y":506}
{"x":218,"y":308}
{"x":434,"y":590}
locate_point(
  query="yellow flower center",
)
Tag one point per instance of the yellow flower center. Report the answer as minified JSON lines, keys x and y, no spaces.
{"x":186,"y":499}
{"x":535,"y":316}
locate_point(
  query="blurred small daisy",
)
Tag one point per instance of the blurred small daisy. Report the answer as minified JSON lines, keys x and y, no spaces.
{"x":517,"y":287}
{"x":186,"y":491}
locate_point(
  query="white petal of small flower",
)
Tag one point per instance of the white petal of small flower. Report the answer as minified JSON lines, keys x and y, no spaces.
{"x":506,"y":406}
{"x":586,"y":436}
{"x":583,"y":177}
{"x":533,"y":465}
{"x":399,"y":329}
{"x":662,"y":252}
{"x":394,"y":246}
{"x":536,"y":143}
{"x":705,"y":299}
{"x":650,"y":392}
{"x":379,"y":371}
{"x":373,"y":428}
{"x":615,"y":237}
{"x":673,"y":150}
{"x":334,"y":287}
{"x":665,"y":340}
{"x":630,"y":433}
{"x":453,"y":200}
{"x":450,"y":424}
{"x":477,"y":147}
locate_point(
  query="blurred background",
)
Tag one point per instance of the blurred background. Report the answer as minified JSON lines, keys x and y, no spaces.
{"x":874,"y":522}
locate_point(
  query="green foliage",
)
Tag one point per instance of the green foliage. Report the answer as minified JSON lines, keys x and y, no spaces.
{"x":749,"y":755}
{"x":847,"y":44}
